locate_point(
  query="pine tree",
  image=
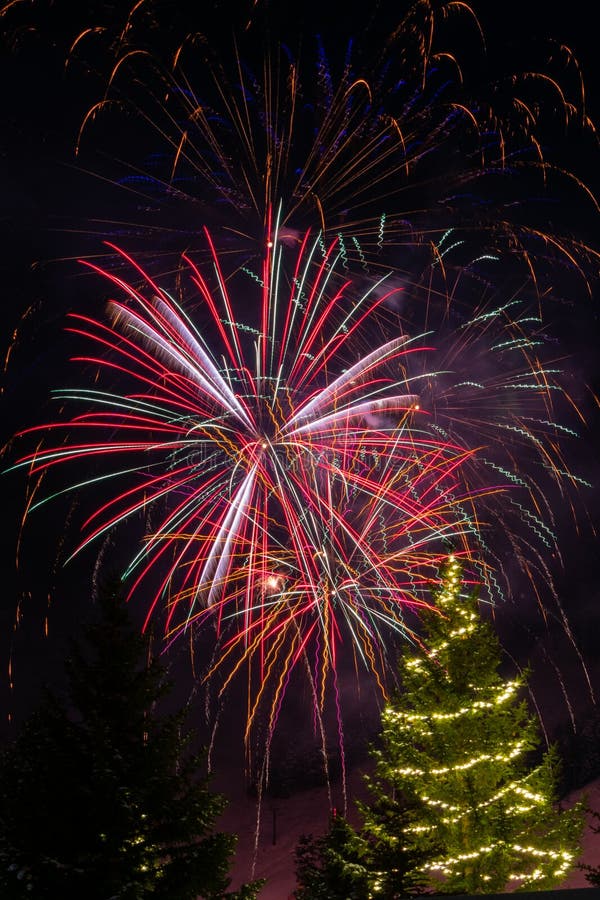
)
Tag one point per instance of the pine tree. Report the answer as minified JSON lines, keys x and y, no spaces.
{"x":396,"y":865}
{"x":457,"y":751}
{"x":331,"y":867}
{"x":103,"y":797}
{"x":358,"y":864}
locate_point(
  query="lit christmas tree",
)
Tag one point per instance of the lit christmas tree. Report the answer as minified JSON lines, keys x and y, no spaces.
{"x":457,"y":749}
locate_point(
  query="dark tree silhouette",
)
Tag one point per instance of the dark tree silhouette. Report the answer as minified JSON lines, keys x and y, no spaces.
{"x":102,"y":796}
{"x":331,"y":867}
{"x":349,"y":864}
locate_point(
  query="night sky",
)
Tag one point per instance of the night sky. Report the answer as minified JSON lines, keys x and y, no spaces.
{"x":56,"y":207}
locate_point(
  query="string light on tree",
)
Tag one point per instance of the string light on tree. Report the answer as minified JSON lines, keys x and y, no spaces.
{"x":454,"y":751}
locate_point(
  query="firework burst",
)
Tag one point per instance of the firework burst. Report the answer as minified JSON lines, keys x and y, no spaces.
{"x":303,"y":496}
{"x":300,"y":466}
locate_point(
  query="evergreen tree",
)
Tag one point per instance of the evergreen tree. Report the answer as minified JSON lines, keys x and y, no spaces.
{"x":396,"y":865}
{"x":349,"y":864}
{"x":456,"y":751}
{"x":105,"y":799}
{"x":331,"y":867}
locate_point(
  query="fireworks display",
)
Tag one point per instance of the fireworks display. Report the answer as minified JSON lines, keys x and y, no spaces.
{"x":330,"y":351}
{"x":396,"y":148}
{"x":293,"y":472}
{"x":300,"y":496}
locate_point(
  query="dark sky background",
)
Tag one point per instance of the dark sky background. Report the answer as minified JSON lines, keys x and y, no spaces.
{"x":48,"y":200}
